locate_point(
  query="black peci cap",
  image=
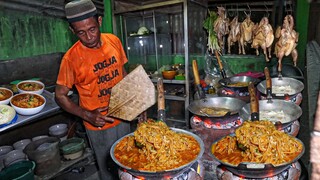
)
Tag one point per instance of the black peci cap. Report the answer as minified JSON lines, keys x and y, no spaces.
{"x":78,"y":10}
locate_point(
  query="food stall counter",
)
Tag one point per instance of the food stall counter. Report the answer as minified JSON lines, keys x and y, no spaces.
{"x":50,"y":108}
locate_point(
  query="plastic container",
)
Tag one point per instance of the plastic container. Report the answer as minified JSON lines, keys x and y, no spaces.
{"x":23,"y":170}
{"x":72,"y":148}
{"x":45,"y":153}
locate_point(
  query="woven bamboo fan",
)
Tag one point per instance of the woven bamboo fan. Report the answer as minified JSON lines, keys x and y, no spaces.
{"x":134,"y":94}
{"x":315,"y":144}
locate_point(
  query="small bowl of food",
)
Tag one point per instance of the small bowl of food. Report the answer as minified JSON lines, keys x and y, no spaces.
{"x":30,"y":86}
{"x":28,"y":103}
{"x":170,"y":74}
{"x":5,"y":95}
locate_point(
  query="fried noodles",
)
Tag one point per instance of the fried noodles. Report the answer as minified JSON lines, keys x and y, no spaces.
{"x":155,"y":147}
{"x":258,"y":142}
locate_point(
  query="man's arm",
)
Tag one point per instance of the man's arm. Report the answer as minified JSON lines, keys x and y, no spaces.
{"x":94,"y":117}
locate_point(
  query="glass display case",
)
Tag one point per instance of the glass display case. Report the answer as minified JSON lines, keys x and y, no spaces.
{"x":161,"y":35}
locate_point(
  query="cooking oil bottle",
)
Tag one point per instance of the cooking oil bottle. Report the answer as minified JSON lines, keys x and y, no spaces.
{"x":211,"y":89}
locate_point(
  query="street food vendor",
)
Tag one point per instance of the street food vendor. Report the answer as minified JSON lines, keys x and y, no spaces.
{"x":94,"y":64}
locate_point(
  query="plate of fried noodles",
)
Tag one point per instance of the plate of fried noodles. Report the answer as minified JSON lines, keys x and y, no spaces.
{"x":154,"y":149}
{"x":256,"y":149}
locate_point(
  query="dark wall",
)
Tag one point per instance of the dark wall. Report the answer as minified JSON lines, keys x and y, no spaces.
{"x":45,"y":67}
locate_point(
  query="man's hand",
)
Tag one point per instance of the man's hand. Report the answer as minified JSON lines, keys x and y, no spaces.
{"x":143,"y":117}
{"x":96,"y":118}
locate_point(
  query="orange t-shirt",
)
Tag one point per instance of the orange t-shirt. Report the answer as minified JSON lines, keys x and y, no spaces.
{"x":94,"y":72}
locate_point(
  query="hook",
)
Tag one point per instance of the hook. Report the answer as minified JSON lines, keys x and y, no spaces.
{"x":288,"y":10}
{"x":229,"y":12}
{"x":249,"y":10}
{"x":237,"y":11}
{"x":267,"y":10}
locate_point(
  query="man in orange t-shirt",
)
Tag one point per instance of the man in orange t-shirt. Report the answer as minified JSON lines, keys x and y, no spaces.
{"x":94,"y":64}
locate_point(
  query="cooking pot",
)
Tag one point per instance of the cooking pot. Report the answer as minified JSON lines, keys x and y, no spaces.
{"x":160,"y":174}
{"x":256,"y":170}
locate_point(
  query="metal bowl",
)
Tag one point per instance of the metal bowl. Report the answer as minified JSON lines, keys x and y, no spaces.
{"x":257,"y":170}
{"x":160,"y":174}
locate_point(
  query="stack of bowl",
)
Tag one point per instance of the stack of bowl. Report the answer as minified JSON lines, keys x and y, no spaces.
{"x":59,"y":131}
{"x":3,"y":151}
{"x":13,"y":157}
{"x":21,"y":144}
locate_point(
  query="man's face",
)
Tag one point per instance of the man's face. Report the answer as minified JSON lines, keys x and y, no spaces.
{"x":88,"y":32}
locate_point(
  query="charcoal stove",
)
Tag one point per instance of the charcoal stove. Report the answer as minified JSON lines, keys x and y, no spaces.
{"x":240,"y":94}
{"x":195,"y":172}
{"x":297,"y":98}
{"x":293,"y":172}
{"x":212,"y":129}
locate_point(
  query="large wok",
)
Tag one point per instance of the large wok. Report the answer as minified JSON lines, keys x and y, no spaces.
{"x":290,"y":109}
{"x":168,"y":172}
{"x":296,"y":86}
{"x":160,"y":174}
{"x":227,"y":82}
{"x":256,"y":170}
{"x":233,"y":105}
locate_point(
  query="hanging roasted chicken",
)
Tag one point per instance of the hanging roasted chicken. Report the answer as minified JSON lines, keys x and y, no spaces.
{"x":263,"y":37}
{"x":220,"y":26}
{"x":246,"y":32}
{"x":234,"y":34}
{"x":287,"y":42}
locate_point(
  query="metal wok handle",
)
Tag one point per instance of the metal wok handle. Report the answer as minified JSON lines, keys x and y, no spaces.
{"x":268,"y":84}
{"x":161,"y":101}
{"x":254,"y":103}
{"x":197,"y":79}
{"x":223,"y":72}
